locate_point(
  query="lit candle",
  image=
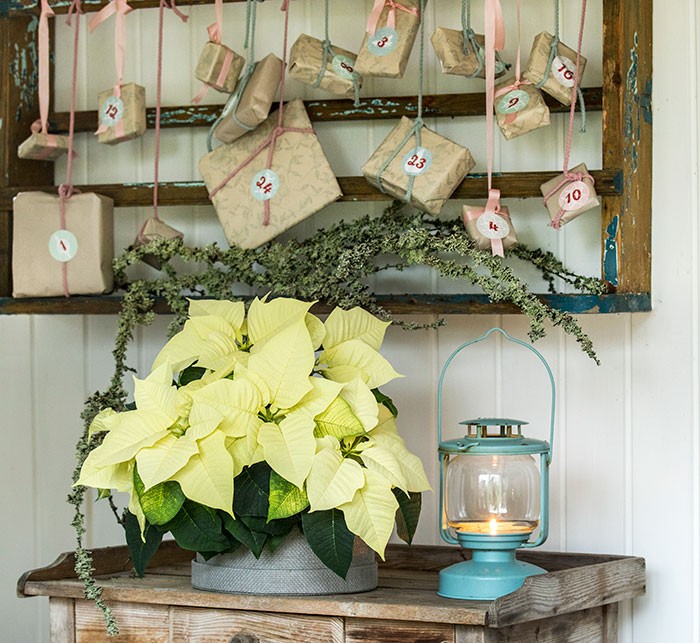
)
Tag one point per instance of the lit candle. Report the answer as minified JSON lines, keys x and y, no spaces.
{"x":493,"y":526}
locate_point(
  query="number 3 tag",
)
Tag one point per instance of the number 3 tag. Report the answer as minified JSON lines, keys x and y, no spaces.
{"x":265,"y":185}
{"x":574,"y":196}
{"x":514,"y":101}
{"x":383,"y":42}
{"x":112,"y":111}
{"x":417,"y":161}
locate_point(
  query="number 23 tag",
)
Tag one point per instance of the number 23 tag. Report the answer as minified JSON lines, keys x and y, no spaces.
{"x":417,"y":161}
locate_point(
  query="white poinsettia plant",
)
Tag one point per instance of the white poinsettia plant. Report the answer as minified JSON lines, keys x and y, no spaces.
{"x":251,"y":426}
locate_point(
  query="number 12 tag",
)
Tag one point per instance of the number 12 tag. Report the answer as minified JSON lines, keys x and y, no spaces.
{"x":112,"y":111}
{"x":417,"y":161}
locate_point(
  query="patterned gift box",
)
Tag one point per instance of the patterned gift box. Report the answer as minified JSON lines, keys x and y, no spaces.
{"x":214,"y":70}
{"x":43,"y":147}
{"x":449,"y":49}
{"x":151,"y":230}
{"x":568,"y":197}
{"x":306,"y":60}
{"x":519,"y":110}
{"x":121,"y":118}
{"x":483,"y":229}
{"x":385,"y":53}
{"x":299,"y":183}
{"x":255,"y":102}
{"x":560,"y":80}
{"x":44,"y":252}
{"x":438,"y":166}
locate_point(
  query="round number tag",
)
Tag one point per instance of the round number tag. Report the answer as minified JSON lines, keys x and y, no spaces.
{"x":112,"y":111}
{"x":514,"y":101}
{"x":574,"y":196}
{"x":383,"y":42}
{"x":492,"y":226}
{"x":563,"y":69}
{"x":265,"y":185}
{"x":63,"y":245}
{"x":417,"y":161}
{"x":344,"y":67}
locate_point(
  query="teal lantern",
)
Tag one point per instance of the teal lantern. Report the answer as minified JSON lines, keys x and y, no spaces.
{"x":494,"y":495}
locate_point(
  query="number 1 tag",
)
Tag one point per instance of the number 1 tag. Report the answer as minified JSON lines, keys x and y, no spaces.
{"x":63,"y":245}
{"x":417,"y":161}
{"x":265,"y":185}
{"x":574,"y":196}
{"x":112,"y":111}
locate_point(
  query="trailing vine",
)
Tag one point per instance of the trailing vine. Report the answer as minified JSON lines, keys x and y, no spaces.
{"x":332,"y":266}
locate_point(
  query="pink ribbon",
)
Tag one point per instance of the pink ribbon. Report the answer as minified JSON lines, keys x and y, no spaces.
{"x":375,"y":14}
{"x":46,"y":11}
{"x":220,"y":79}
{"x":215,"y":29}
{"x":492,"y":207}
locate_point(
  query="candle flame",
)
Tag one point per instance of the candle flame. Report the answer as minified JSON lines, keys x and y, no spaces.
{"x":493,"y":526}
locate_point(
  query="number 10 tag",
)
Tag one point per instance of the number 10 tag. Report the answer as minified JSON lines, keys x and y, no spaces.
{"x":417,"y":161}
{"x":574,"y":196}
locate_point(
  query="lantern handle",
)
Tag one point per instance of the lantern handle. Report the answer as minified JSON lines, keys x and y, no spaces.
{"x":515,"y":341}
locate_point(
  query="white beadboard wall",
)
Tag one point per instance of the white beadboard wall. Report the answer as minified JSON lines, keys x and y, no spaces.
{"x":626,"y":476}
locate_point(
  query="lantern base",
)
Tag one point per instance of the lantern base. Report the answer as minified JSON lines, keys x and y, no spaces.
{"x":492,"y":572}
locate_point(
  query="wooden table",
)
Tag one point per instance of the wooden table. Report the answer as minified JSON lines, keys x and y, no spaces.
{"x":577,"y":601}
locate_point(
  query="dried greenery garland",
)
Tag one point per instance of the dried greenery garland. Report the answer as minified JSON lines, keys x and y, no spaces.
{"x":331,"y":266}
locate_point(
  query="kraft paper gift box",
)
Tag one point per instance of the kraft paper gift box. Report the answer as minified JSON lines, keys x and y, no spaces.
{"x":560,"y":80}
{"x":299,"y":183}
{"x":568,"y":198}
{"x":449,"y":49}
{"x":43,"y":147}
{"x":306,"y":61}
{"x":213,"y":69}
{"x":439,"y":166}
{"x":521,"y":110}
{"x":121,"y":118}
{"x":385,"y":53}
{"x":485,"y":228}
{"x":42,"y":249}
{"x":255,"y":102}
{"x":151,"y":230}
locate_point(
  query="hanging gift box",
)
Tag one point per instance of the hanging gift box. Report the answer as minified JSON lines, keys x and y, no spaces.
{"x":255,"y":198}
{"x":54,"y":255}
{"x":519,"y":109}
{"x":391,"y":32}
{"x":490,"y":230}
{"x":459,"y":59}
{"x":219,"y":67}
{"x":152,"y":230}
{"x":425,"y":176}
{"x":251,"y":102}
{"x":122,"y":117}
{"x":43,"y":147}
{"x":337,"y":76}
{"x":569,"y":195}
{"x":559,"y":73}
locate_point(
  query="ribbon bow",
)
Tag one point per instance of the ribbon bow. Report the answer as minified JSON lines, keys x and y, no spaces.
{"x":493,"y":206}
{"x":373,"y":20}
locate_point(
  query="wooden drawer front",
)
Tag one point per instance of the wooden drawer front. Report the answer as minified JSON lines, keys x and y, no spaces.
{"x":369,"y":631}
{"x":138,"y":623}
{"x":200,"y":625}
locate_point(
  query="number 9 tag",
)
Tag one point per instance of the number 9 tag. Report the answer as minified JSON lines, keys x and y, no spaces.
{"x":513,"y":102}
{"x":265,"y":185}
{"x":574,"y":196}
{"x":417,"y":161}
{"x":383,"y":42}
{"x":112,"y":111}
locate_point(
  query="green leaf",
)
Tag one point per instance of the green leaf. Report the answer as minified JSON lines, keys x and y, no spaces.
{"x":386,"y":401}
{"x":251,"y":491}
{"x":286,"y":499}
{"x":141,"y":551}
{"x":161,"y":503}
{"x":273,"y":542}
{"x":198,"y":528}
{"x":330,"y":539}
{"x":191,"y":374}
{"x":253,"y":540}
{"x":407,"y":514}
{"x":273,"y":527}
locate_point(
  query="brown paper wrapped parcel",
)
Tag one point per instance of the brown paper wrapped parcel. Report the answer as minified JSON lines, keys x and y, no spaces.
{"x":121,"y":118}
{"x":482,"y":231}
{"x":306,"y":61}
{"x":43,"y":147}
{"x":41,"y":247}
{"x":299,"y":183}
{"x":520,"y":109}
{"x":449,"y":49}
{"x":151,"y":230}
{"x":438,"y":165}
{"x":560,"y":80}
{"x":210,"y":67}
{"x":255,"y":102}
{"x":569,"y":198}
{"x":385,"y":53}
